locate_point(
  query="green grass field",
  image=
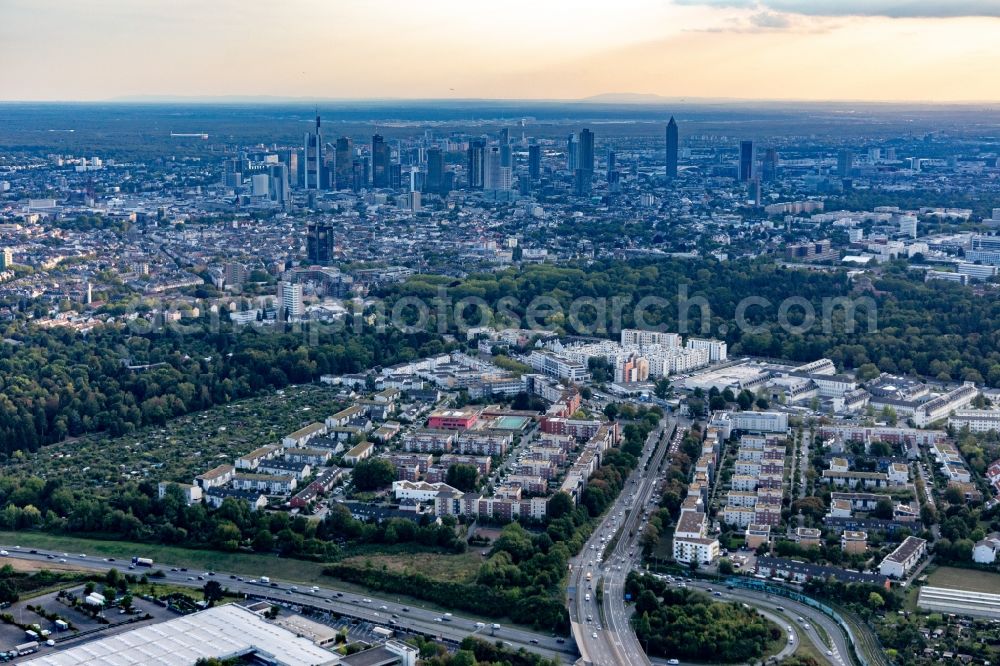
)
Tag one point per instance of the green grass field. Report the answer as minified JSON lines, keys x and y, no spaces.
{"x":965,"y":579}
{"x":450,"y":568}
{"x":201,"y":560}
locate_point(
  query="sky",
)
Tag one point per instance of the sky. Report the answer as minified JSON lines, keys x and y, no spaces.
{"x":879,"y":50}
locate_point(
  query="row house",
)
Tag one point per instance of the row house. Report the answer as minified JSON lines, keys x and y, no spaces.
{"x":215,"y":477}
{"x":272,"y":484}
{"x":215,"y":496}
{"x":303,"y":435}
{"x":856,"y":479}
{"x":858,"y":501}
{"x":311,"y":456}
{"x":251,"y":460}
{"x":345,"y":416}
{"x":298,"y":470}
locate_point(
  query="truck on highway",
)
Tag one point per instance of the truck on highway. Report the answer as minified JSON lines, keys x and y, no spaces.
{"x":265,"y":580}
{"x":587,"y":598}
{"x":142,"y":561}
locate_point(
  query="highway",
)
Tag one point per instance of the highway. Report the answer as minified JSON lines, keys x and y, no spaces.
{"x":602,"y":632}
{"x":368,"y":608}
{"x":786,"y":613}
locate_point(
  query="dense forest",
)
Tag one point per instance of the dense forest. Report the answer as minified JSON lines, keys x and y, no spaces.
{"x":687,"y":625}
{"x":938,"y":330}
{"x":56,"y":384}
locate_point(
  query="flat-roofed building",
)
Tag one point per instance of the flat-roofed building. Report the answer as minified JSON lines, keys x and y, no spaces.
{"x":757,"y":536}
{"x":215,"y":633}
{"x":854,"y":542}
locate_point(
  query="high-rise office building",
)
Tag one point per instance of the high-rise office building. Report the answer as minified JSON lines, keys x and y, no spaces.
{"x":506,"y":155}
{"x":396,"y":176}
{"x":435,"y":171}
{"x":586,"y":150}
{"x":312,"y":178}
{"x":585,"y":163}
{"x":477,"y":164}
{"x":290,"y":158}
{"x":534,"y":161}
{"x":491,"y":175}
{"x":319,"y":243}
{"x":232,"y":173}
{"x":343,"y":165}
{"x":6,"y":258}
{"x":291,"y":301}
{"x":572,"y":148}
{"x":380,"y":162}
{"x":611,"y":165}
{"x":769,"y":170}
{"x":845,"y":163}
{"x":359,"y":174}
{"x":746,"y":161}
{"x":672,"y":146}
{"x":504,"y":136}
{"x":278,"y":183}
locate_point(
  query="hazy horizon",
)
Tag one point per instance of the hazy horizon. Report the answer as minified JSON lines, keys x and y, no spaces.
{"x":917,"y":51}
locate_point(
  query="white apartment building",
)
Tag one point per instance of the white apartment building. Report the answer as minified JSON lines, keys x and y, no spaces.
{"x":976,"y":420}
{"x":943,"y":405}
{"x":551,"y":365}
{"x":716,"y":348}
{"x":641,"y":338}
{"x":291,"y":300}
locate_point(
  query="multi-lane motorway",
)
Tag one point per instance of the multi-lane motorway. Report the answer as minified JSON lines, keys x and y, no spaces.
{"x":368,"y":608}
{"x":602,"y":630}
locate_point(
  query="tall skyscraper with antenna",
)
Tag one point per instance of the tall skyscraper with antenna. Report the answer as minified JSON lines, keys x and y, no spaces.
{"x":313,"y":173}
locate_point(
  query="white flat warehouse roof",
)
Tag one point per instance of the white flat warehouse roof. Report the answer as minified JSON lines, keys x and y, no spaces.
{"x":221,"y":631}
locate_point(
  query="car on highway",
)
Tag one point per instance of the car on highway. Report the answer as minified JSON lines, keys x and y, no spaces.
{"x":593,"y":635}
{"x":672,"y":661}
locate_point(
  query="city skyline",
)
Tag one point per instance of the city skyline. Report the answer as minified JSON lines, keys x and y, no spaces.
{"x":785,"y":50}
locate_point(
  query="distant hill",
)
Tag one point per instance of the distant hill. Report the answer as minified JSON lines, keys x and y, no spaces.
{"x":628,"y":98}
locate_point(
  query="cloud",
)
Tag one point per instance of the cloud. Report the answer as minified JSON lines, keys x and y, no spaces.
{"x":770,"y":21}
{"x":888,"y":8}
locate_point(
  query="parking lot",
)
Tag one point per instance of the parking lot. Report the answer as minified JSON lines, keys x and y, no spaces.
{"x":82,"y":627}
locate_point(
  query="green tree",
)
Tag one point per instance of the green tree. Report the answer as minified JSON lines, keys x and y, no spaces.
{"x":373,"y":473}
